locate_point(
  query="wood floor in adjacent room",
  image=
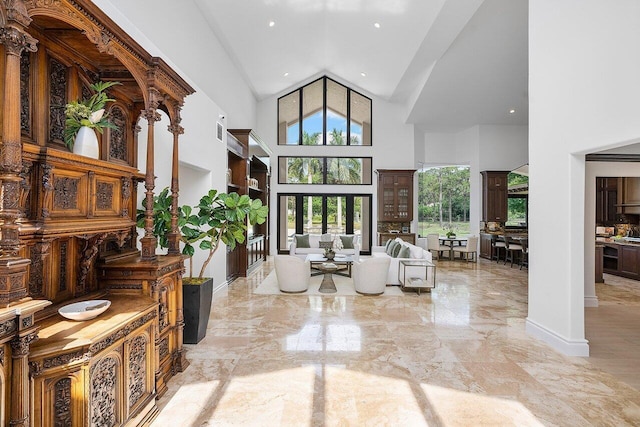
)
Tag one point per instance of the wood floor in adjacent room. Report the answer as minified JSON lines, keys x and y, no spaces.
{"x":458,"y":356}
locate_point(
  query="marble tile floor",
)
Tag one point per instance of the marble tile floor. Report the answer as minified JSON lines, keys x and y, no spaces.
{"x":613,"y":329}
{"x":458,"y":356}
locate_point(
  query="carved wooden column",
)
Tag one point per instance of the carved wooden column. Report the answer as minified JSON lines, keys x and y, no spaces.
{"x":13,"y":268}
{"x":149,"y":241}
{"x":20,"y":379}
{"x":174,"y":235}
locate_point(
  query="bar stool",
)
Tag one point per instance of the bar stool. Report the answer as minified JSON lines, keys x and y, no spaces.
{"x":525,"y":253}
{"x":511,"y":247}
{"x":496,"y":247}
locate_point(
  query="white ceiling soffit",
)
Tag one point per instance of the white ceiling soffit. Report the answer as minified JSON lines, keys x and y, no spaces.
{"x":311,"y":37}
{"x":482,"y":76}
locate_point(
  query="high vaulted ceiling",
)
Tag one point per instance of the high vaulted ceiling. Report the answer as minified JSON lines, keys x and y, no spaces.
{"x":451,"y":63}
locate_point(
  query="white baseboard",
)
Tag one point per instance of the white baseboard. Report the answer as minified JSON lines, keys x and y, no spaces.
{"x":591,"y":301}
{"x":221,"y":287}
{"x":570,"y":348}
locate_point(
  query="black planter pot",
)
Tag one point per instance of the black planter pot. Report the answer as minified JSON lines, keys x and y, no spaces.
{"x":196,"y":300}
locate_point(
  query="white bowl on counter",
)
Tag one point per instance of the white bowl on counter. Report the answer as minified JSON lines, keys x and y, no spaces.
{"x":84,"y":310}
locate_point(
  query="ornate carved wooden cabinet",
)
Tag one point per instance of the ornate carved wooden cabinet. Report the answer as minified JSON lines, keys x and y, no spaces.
{"x":67,"y":224}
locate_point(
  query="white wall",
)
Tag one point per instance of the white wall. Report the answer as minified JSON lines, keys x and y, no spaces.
{"x":393,"y":148}
{"x":484,"y":147}
{"x":583,"y":94}
{"x":191,"y":48}
{"x":182,"y":37}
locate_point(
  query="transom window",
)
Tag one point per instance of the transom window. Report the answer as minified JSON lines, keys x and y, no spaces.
{"x":324,"y":112}
{"x":324,"y":170}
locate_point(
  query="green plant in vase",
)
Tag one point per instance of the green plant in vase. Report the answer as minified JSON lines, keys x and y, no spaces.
{"x":89,"y":113}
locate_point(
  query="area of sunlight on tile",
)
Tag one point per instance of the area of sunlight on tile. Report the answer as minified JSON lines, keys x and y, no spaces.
{"x":457,"y":408}
{"x":190,"y":401}
{"x":283,"y":397}
{"x":355,"y":398}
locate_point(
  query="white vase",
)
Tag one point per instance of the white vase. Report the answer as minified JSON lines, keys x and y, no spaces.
{"x":86,"y":143}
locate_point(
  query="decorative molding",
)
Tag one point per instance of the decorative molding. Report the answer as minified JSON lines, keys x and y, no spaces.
{"x":57,"y":99}
{"x":163,"y":348}
{"x":104,"y":392}
{"x":118,"y":137}
{"x":137,"y":369}
{"x":62,"y":403}
{"x":65,"y":193}
{"x":123,"y":332}
{"x":104,"y":195}
{"x":20,"y":345}
{"x":90,"y":250}
{"x":16,"y":41}
{"x":8,"y":327}
{"x":25,"y":93}
{"x":62,"y":273}
{"x":64,"y":359}
{"x":26,"y":322}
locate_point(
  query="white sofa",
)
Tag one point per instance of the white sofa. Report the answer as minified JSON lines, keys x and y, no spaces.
{"x":415,"y":253}
{"x":314,"y":246}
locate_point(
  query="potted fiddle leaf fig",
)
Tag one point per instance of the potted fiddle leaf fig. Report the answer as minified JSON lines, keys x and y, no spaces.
{"x":217,"y":218}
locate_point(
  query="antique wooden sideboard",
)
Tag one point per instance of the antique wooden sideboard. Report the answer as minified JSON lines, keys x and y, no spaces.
{"x":67,"y":224}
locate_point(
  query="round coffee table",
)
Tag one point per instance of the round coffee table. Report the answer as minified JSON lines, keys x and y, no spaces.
{"x":327,"y":286}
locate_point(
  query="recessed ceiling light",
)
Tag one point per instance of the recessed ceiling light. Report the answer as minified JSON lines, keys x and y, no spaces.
{"x":363,"y":74}
{"x":285,"y":74}
{"x":512,"y":111}
{"x":376,"y":24}
{"x":272,"y":23}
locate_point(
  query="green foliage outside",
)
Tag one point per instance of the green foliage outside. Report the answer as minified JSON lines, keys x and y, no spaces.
{"x":517,"y":205}
{"x":443,"y":200}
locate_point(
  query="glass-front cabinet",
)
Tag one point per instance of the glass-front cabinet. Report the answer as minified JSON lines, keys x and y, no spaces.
{"x":395,"y":195}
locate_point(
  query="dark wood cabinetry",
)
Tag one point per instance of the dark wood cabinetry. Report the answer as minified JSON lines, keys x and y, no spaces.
{"x":248,"y":174}
{"x":494,"y":196}
{"x":606,"y":200}
{"x":621,"y":260}
{"x":395,"y":195}
{"x":485,"y":245}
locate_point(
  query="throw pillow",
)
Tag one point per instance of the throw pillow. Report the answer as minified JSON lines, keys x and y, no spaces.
{"x":391,"y":246}
{"x":347,"y":241}
{"x":405,"y":252}
{"x":326,"y":237}
{"x":386,"y":246}
{"x":396,"y":250}
{"x":302,"y":240}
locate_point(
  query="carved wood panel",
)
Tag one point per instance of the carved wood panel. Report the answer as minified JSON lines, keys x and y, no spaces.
{"x":138,"y":353}
{"x":58,"y":76}
{"x":118,"y":146}
{"x":62,"y":403}
{"x":104,"y":384}
{"x":69,"y":194}
{"x":25,"y":93}
{"x":108,"y":196}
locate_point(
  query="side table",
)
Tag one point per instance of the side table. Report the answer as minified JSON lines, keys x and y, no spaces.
{"x":327,"y":286}
{"x":417,"y":280}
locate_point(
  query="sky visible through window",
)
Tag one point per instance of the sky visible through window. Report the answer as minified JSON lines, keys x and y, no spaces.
{"x":313,"y":124}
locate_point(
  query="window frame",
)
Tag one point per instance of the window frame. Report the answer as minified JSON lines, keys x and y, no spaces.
{"x":348,"y":215}
{"x":300,"y":119}
{"x":324,"y":161}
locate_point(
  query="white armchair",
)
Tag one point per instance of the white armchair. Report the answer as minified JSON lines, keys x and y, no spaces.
{"x":293,"y":274}
{"x":370,"y":275}
{"x":470,"y":249}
